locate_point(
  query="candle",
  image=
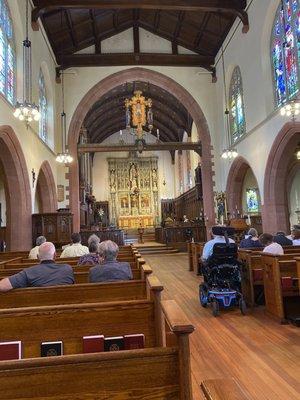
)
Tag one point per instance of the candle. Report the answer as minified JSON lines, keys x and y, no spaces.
{"x":121,"y":133}
{"x":222,"y":220}
{"x":157,"y":133}
{"x":249,"y":220}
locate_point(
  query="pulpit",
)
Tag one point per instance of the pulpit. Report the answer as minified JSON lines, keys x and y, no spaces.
{"x":56,"y":227}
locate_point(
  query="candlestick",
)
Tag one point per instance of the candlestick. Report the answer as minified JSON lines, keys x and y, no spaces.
{"x":222,"y":220}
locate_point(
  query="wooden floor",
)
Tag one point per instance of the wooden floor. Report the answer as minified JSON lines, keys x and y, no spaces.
{"x":261,"y":354}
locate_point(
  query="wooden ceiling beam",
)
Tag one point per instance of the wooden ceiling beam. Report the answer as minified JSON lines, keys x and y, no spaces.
{"x":234,"y":7}
{"x":95,"y":32}
{"x":167,"y":146}
{"x":121,"y":59}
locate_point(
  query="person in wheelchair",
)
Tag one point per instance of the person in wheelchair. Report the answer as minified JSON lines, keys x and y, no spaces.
{"x":221,"y":268}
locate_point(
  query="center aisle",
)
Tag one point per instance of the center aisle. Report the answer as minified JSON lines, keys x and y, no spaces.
{"x":261,"y":354}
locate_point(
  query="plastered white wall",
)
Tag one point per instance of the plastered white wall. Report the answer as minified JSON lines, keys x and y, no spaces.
{"x":35,"y":151}
{"x":251,"y":52}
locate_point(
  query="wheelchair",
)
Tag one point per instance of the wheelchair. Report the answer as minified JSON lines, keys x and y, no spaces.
{"x":222,"y":276}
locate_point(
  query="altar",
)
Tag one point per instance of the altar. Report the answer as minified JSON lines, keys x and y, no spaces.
{"x":133,"y":183}
{"x":135,"y":221}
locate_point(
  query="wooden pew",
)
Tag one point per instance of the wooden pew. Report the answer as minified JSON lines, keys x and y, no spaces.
{"x":194,"y":252}
{"x":223,"y":389}
{"x":276,"y":268}
{"x":154,"y":372}
{"x":81,"y":273}
{"x":80,"y":293}
{"x":252,"y":271}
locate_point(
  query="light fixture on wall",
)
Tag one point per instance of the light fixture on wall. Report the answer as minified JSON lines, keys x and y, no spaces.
{"x":298,"y":155}
{"x":292,"y":109}
{"x":27,"y":110}
{"x":64,"y":157}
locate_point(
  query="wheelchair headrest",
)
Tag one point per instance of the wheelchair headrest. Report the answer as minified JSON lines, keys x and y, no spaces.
{"x":222,"y":230}
{"x":225,"y":250}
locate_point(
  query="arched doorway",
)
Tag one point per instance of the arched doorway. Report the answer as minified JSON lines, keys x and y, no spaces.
{"x":280,"y":171}
{"x":46,"y":189}
{"x":242,"y":189}
{"x":17,"y":190}
{"x":166,"y":83}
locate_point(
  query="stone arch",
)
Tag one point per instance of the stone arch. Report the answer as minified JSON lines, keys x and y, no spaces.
{"x":275,"y":209}
{"x":18,"y":194}
{"x":46,"y":189}
{"x":235,"y":181}
{"x":156,"y":78}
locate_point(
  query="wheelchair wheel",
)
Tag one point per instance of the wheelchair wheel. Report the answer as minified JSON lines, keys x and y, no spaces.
{"x":242,"y":306}
{"x":203,"y":294}
{"x":215,"y":307}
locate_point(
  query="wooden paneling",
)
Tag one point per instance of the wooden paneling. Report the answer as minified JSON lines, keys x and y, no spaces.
{"x":56,"y":227}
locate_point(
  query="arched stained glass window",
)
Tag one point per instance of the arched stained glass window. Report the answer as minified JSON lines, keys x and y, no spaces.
{"x":43,"y":105}
{"x":7,"y":54}
{"x":236,"y":106}
{"x":285,"y":51}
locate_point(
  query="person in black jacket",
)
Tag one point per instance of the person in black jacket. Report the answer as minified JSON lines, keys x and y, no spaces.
{"x":281,"y":239}
{"x":251,"y":241}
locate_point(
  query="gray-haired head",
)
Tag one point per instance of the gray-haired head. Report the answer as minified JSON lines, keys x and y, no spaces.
{"x":40,"y":240}
{"x":93,"y":238}
{"x":108,"y":250}
{"x":46,"y":251}
{"x":253,"y":232}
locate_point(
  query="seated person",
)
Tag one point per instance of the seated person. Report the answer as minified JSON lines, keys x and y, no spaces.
{"x":76,"y":249}
{"x":93,"y":238}
{"x":251,"y":241}
{"x":282,"y":239}
{"x":92,"y":258}
{"x":208,"y":247}
{"x":269,"y":245}
{"x":47,"y":273}
{"x":296,"y":237}
{"x":110,"y":269}
{"x":33,"y":254}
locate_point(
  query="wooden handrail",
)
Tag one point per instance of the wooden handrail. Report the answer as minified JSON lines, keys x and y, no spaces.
{"x":176,"y":318}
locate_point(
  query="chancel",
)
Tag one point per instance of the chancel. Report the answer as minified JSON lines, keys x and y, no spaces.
{"x":154,"y":148}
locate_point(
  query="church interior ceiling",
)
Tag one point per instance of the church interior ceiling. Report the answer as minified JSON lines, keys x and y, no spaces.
{"x":107,"y":116}
{"x":73,"y":25}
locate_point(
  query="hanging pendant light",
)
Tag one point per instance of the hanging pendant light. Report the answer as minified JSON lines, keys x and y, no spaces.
{"x":228,"y":153}
{"x":64,"y":157}
{"x":27,"y":110}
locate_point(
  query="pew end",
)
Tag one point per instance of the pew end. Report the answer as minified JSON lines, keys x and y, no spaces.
{"x":223,"y":389}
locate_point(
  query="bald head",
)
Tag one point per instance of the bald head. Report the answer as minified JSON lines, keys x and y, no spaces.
{"x":46,"y":251}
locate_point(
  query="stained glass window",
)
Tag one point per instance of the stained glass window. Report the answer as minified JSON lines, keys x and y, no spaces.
{"x":285,"y":51}
{"x":252,"y":200}
{"x":236,"y":103}
{"x":43,"y":105}
{"x":7,"y":54}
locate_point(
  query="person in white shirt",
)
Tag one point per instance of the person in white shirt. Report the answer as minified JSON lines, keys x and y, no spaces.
{"x":270,"y":247}
{"x":208,"y":247}
{"x":296,"y":238}
{"x":76,"y":249}
{"x":33,"y":254}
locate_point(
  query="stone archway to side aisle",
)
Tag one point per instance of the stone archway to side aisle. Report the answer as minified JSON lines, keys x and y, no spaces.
{"x":17,"y":189}
{"x":275,"y":209}
{"x":235,"y":181}
{"x":46,"y":189}
{"x":156,"y":78}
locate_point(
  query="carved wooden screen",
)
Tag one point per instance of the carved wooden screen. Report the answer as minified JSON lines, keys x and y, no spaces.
{"x":133,"y":185}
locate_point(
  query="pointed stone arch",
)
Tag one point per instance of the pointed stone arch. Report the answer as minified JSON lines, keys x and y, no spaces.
{"x":156,"y":78}
{"x":17,"y":188}
{"x":46,"y":189}
{"x":235,"y":181}
{"x":277,"y":174}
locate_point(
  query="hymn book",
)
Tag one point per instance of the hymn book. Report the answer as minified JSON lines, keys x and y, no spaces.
{"x":93,"y":344}
{"x":134,"y":341}
{"x":51,"y":349}
{"x":114,"y":343}
{"x":10,"y":351}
